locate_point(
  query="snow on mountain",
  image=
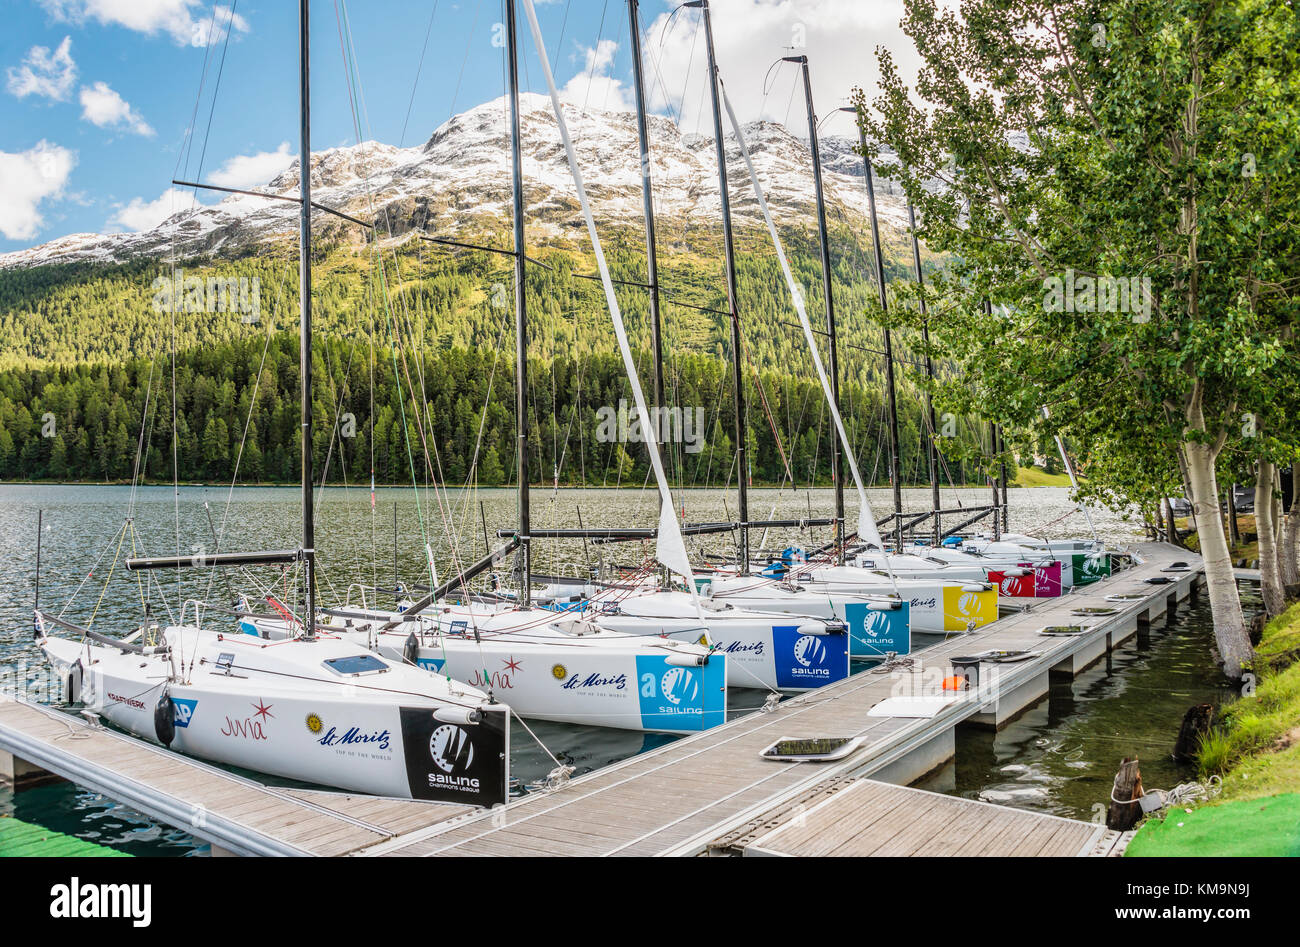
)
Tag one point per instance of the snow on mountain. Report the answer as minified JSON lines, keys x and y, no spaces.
{"x":458,"y":183}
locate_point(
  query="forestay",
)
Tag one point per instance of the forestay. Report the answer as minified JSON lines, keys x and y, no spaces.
{"x":670,"y":548}
{"x":867,"y":531}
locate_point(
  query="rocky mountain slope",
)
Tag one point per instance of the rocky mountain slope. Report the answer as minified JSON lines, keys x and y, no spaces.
{"x":458,"y":183}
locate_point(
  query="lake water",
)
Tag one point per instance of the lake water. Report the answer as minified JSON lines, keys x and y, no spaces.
{"x":86,"y":537}
{"x":1060,"y":756}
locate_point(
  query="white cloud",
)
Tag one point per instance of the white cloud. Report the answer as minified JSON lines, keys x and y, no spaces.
{"x":26,"y":179}
{"x":140,"y":214}
{"x":102,"y":106}
{"x":44,"y":73}
{"x":248,"y":171}
{"x":594,"y":87}
{"x":838,"y":37}
{"x":187,"y":22}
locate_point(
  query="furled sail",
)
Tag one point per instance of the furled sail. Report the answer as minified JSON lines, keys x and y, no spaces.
{"x":670,"y":548}
{"x":867,"y":531}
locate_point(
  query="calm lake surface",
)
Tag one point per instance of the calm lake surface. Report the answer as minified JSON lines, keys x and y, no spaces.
{"x":86,"y":537}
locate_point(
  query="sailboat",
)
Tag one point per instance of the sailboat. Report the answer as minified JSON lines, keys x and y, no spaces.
{"x":550,"y":666}
{"x":789,"y":652}
{"x":312,"y":706}
{"x":854,"y":591}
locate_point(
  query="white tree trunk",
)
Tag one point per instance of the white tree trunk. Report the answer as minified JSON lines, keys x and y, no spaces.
{"x":1266,"y":530}
{"x":1225,"y":605}
{"x":1288,"y":552}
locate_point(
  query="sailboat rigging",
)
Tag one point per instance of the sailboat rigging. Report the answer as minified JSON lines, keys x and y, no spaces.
{"x":313,"y":706}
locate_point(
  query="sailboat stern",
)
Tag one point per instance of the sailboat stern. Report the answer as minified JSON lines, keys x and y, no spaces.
{"x":463,"y":761}
{"x":967,"y":607}
{"x":877,"y":628}
{"x":674,"y":698}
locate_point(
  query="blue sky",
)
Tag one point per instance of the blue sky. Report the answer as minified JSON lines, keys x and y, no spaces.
{"x":97,"y":96}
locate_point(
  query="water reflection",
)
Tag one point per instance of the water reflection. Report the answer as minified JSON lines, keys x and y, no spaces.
{"x":1061,"y":754}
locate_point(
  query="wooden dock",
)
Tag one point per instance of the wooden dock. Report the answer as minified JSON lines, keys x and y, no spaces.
{"x":867,"y":817}
{"x":707,"y":792}
{"x":236,"y":815}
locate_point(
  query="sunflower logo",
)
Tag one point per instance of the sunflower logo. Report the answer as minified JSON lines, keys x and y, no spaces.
{"x":559,"y":672}
{"x":314,"y":723}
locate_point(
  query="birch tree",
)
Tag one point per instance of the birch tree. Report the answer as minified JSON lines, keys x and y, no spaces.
{"x":1118,"y":180}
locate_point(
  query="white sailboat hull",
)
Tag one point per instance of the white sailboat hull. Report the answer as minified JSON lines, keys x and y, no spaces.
{"x":794,"y":652}
{"x":373,"y":734}
{"x":602,"y":678}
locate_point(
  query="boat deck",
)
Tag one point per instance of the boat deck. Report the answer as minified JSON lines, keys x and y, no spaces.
{"x":707,"y":792}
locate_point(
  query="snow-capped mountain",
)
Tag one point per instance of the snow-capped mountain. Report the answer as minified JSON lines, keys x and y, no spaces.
{"x":458,"y":183}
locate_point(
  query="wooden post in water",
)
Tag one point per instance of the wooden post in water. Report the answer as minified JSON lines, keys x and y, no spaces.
{"x":1195,"y":727}
{"x":1123,"y":815}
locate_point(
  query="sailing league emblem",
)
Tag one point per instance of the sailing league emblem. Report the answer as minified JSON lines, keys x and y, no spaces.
{"x":451,"y":749}
{"x":678,"y":684}
{"x":809,"y":650}
{"x":462,"y":763}
{"x":876,"y":623}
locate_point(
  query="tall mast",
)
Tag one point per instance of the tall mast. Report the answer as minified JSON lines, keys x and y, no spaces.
{"x":648,"y":205}
{"x":304,"y":309}
{"x":728,"y":246}
{"x":1006,"y":517}
{"x":993,"y":446}
{"x":993,"y":482}
{"x":837,"y":462}
{"x":894,"y":471}
{"x":521,"y":325}
{"x":933,"y":451}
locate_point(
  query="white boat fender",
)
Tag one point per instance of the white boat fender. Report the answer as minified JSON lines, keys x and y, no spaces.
{"x":164,"y":719}
{"x":820,"y":629}
{"x":72,"y":682}
{"x":890,"y":606}
{"x":679,"y":660}
{"x":411,"y":650}
{"x":976,"y":587}
{"x":464,"y":716}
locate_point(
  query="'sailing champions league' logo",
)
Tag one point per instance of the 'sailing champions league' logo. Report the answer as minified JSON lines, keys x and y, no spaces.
{"x":678,"y":683}
{"x":810,"y":652}
{"x":453,"y":753}
{"x":968,"y":603}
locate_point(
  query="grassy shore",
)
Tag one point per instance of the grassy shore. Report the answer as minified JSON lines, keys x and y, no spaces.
{"x":1038,"y":477}
{"x":1254,"y":748}
{"x":1247,"y":549}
